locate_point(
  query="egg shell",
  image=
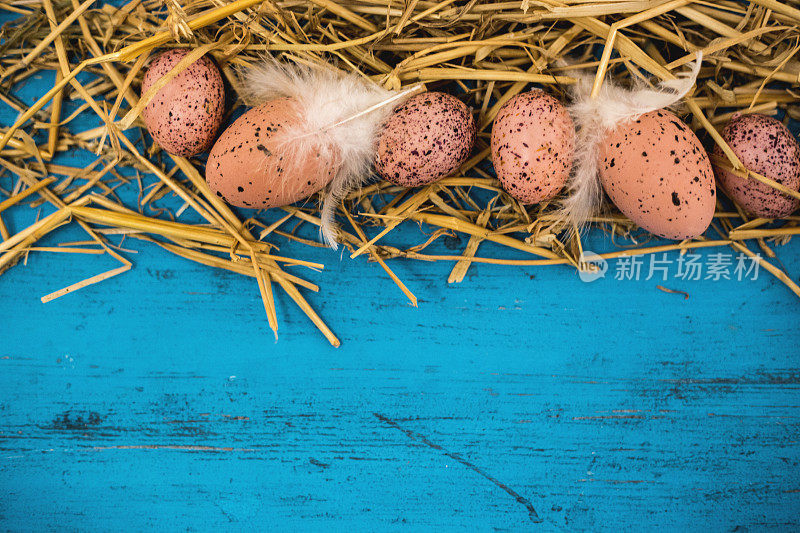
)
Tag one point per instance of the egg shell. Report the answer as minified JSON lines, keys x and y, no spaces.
{"x":767,"y":147}
{"x":245,"y":167}
{"x":533,"y":143}
{"x":183,"y":117}
{"x":425,"y":139}
{"x":658,"y":174}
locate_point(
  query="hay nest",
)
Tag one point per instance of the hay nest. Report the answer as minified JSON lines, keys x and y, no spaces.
{"x":483,"y":51}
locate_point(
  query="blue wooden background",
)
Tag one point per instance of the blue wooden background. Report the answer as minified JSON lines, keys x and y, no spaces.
{"x":521,"y":398}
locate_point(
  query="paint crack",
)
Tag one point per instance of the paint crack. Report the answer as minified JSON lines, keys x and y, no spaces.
{"x":418,"y":437}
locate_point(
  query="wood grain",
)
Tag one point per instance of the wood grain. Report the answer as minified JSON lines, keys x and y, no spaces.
{"x":520,"y":398}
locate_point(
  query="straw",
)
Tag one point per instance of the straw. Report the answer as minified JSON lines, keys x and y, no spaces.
{"x":481,"y":51}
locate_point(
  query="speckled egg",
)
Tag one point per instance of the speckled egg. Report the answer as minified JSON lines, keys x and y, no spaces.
{"x":767,"y":147}
{"x":658,"y":174}
{"x":245,"y":168}
{"x":184,"y":115}
{"x":533,"y":143}
{"x":425,"y":139}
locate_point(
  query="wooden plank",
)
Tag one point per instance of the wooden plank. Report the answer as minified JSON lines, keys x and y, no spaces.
{"x":518,"y":396}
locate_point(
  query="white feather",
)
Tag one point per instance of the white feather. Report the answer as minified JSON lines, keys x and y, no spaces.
{"x":341,"y":115}
{"x":594,"y":118}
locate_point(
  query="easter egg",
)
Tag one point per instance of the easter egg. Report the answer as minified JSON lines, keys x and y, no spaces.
{"x":767,"y":147}
{"x":245,"y":167}
{"x":183,"y":117}
{"x":657,"y":173}
{"x":425,"y":139}
{"x":533,"y":143}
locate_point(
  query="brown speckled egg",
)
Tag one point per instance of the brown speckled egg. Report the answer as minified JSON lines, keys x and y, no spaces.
{"x":767,"y":147}
{"x":658,"y":174}
{"x":245,"y":170}
{"x":533,"y":142}
{"x":184,"y":115}
{"x":425,"y":139}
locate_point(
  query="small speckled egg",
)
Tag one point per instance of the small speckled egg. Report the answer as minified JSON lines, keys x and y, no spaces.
{"x":425,"y":139}
{"x":658,"y":174}
{"x":245,"y":169}
{"x":533,"y":143}
{"x":767,"y":147}
{"x":184,"y":115}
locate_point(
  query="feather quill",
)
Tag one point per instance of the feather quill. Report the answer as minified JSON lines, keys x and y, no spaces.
{"x":340,"y":118}
{"x":594,"y":118}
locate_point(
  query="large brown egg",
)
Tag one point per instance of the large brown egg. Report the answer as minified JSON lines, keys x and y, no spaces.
{"x":183,"y":117}
{"x":533,"y":142}
{"x":246,"y":167}
{"x":658,"y":174}
{"x":425,"y":139}
{"x":767,"y":147}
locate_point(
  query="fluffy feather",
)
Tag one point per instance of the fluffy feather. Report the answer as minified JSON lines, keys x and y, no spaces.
{"x":341,"y":115}
{"x":595,"y":117}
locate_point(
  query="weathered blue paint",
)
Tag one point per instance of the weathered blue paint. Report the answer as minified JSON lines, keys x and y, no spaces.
{"x":521,"y":398}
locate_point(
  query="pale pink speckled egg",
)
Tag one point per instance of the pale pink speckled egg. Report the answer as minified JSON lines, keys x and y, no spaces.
{"x":425,"y":139}
{"x":184,"y":115}
{"x":658,"y":174}
{"x":533,"y":143}
{"x":245,"y":166}
{"x":767,"y":147}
